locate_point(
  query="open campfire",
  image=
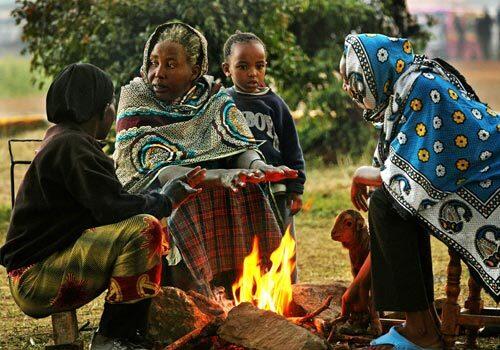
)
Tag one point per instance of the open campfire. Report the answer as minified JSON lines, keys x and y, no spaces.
{"x":271,"y":290}
{"x":267,"y":311}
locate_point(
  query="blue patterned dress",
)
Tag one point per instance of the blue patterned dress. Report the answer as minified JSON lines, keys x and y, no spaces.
{"x":438,"y":151}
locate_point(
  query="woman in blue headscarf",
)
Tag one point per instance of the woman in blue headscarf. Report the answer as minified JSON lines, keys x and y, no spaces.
{"x":438,"y":172}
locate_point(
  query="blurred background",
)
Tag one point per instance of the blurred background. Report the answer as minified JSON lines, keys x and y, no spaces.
{"x":18,"y":95}
{"x":462,"y":30}
{"x":468,"y":34}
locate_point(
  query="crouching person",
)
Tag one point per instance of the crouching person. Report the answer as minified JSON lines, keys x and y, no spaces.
{"x":74,"y":230}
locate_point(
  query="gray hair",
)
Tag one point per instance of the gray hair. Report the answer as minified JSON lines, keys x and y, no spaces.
{"x":181,"y":35}
{"x":191,"y":39}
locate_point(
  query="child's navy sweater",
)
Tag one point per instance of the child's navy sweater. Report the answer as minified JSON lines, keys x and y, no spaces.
{"x":270,"y":120}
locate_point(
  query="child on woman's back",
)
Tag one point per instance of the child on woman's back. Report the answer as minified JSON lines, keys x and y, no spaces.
{"x":268,"y":117}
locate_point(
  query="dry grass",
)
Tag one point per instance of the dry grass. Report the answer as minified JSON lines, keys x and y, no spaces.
{"x":320,"y":260}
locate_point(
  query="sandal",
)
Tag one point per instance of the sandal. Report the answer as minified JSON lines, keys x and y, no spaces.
{"x":396,"y":340}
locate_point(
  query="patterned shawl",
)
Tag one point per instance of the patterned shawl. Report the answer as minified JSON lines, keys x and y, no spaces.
{"x":152,"y":134}
{"x":438,"y":151}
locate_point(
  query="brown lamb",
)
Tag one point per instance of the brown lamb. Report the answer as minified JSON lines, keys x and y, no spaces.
{"x":351,"y":230}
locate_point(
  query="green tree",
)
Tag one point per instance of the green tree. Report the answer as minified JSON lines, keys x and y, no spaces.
{"x":112,"y":33}
{"x":304,"y":40}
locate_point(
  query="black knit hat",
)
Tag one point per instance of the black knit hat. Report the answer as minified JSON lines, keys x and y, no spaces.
{"x":79,"y":92}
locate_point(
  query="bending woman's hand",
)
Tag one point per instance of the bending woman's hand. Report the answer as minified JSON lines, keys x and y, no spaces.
{"x":364,"y":177}
{"x":355,"y":300}
{"x":356,"y":297}
{"x":182,"y":188}
{"x":359,"y":195}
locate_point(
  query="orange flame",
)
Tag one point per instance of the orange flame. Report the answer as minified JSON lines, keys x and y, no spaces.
{"x":273,"y":289}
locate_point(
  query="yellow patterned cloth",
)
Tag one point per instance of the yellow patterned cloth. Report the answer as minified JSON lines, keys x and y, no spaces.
{"x":124,"y":258}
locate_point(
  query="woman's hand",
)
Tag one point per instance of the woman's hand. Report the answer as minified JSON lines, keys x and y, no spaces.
{"x":195,"y":177}
{"x":364,"y":177}
{"x":251,"y":159}
{"x":233,"y":179}
{"x":359,"y":195}
{"x":182,"y":188}
{"x":294,"y":202}
{"x":276,"y":174}
{"x":356,"y":297}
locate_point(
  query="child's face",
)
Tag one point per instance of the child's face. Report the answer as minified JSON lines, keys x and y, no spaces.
{"x":246,"y":66}
{"x":169,"y":71}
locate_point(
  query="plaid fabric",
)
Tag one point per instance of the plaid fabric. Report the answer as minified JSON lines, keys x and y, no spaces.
{"x":124,"y":257}
{"x":214,"y":231}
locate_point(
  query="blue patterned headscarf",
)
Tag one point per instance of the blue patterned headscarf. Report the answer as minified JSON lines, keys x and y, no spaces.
{"x":375,"y":63}
{"x":438,"y":151}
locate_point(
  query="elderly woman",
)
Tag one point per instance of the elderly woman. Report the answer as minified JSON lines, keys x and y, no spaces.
{"x":173,"y":118}
{"x":438,"y":171}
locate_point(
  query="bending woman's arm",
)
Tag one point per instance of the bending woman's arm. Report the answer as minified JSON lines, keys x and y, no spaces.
{"x":364,"y":177}
{"x":355,"y":299}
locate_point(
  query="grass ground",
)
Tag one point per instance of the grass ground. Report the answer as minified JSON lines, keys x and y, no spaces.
{"x":18,"y":93}
{"x":320,"y":260}
{"x":17,"y":78}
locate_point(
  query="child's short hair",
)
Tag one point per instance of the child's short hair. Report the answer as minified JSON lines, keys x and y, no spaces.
{"x":240,"y":37}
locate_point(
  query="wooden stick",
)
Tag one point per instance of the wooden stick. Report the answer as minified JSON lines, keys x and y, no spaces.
{"x":183,"y":341}
{"x":205,"y":299}
{"x":334,"y":327}
{"x":331,"y":335}
{"x":338,"y":320}
{"x":344,"y":337}
{"x":207,"y":304}
{"x":323,"y":307}
{"x":319,"y":324}
{"x":206,"y":331}
{"x":354,"y":338}
{"x":316,"y":324}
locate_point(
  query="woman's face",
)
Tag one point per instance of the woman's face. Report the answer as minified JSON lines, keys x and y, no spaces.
{"x":345,"y":83}
{"x":169,"y":71}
